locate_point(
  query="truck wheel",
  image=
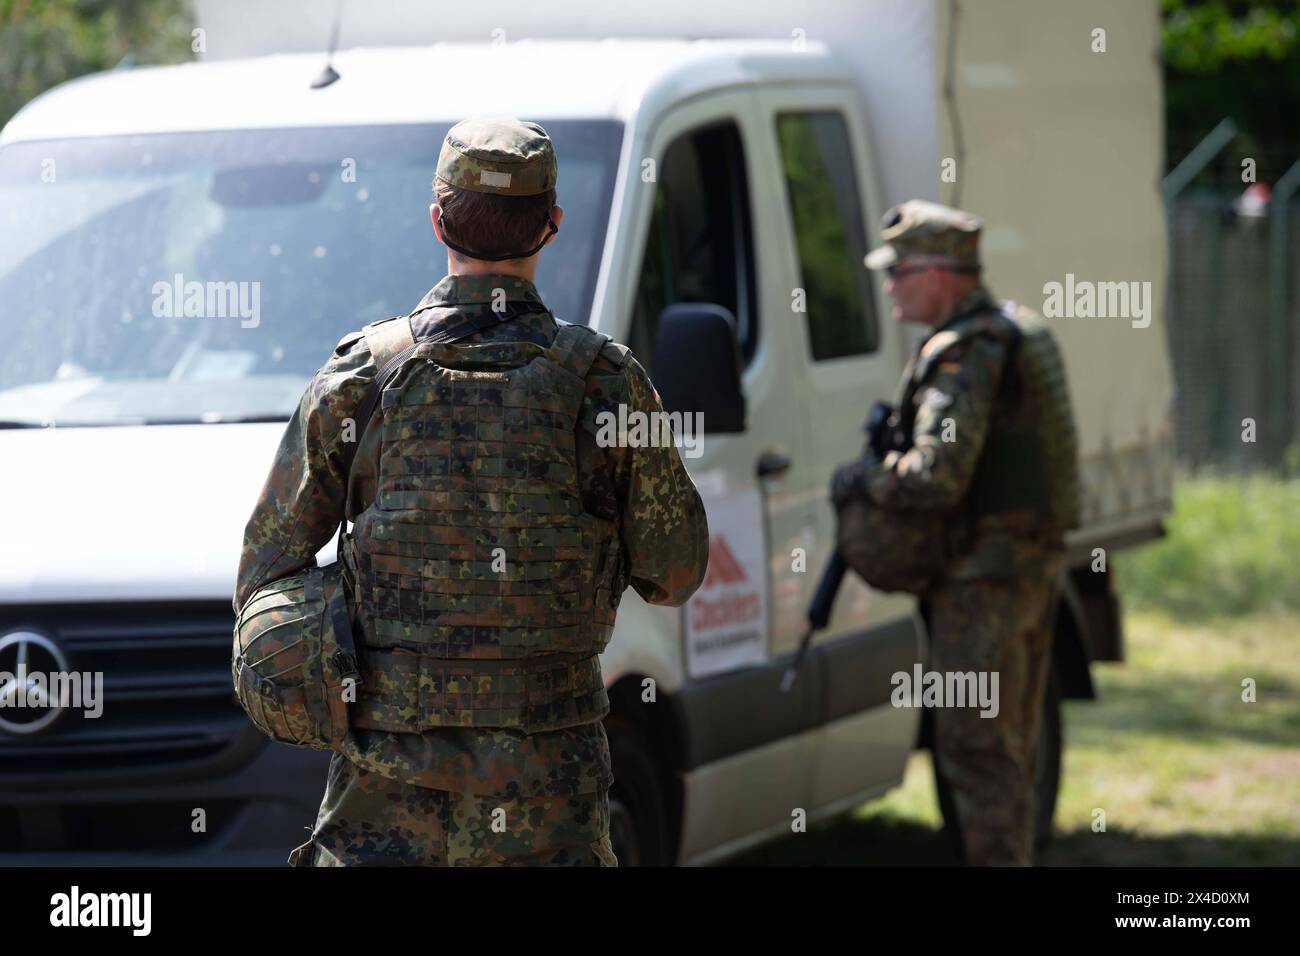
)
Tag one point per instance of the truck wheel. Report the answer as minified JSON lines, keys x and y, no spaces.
{"x":638,"y":825}
{"x":1047,"y":775}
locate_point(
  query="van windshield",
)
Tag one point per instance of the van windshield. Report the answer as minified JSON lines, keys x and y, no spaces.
{"x":205,"y":276}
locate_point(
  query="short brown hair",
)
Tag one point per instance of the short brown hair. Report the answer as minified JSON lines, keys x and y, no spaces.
{"x":490,"y":224}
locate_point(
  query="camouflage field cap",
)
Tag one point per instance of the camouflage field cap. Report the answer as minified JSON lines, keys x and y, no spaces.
{"x":500,"y":155}
{"x":926,"y":232}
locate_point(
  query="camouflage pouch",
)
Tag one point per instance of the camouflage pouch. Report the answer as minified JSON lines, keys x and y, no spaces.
{"x":892,"y":550}
{"x":294,"y":665}
{"x":294,"y":661}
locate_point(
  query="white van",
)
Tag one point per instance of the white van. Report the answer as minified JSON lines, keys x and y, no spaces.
{"x":737,"y":172}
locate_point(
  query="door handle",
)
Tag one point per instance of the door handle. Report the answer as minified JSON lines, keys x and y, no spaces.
{"x":772,"y":463}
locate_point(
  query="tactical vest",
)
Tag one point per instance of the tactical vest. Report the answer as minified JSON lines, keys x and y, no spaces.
{"x":485,"y":592}
{"x":1027,"y":477}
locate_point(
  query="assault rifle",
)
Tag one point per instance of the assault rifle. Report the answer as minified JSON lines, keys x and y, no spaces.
{"x":881,"y":432}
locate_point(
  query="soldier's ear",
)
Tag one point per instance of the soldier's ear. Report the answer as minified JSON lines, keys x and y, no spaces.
{"x":557,"y":214}
{"x":435,"y":217}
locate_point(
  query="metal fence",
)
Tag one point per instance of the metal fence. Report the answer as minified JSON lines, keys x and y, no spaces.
{"x":1233,"y":359}
{"x":1232,"y":316}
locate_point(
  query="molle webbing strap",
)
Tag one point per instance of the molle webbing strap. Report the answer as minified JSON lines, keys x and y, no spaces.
{"x":484,"y":585}
{"x":418,"y":692}
{"x":392,"y":342}
{"x":491,"y":453}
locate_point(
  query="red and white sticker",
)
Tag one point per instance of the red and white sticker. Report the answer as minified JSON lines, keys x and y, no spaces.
{"x":726,"y":620}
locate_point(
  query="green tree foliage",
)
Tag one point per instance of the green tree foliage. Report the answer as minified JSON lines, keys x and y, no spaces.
{"x":1207,"y":36}
{"x":1239,"y":59}
{"x":44,"y":42}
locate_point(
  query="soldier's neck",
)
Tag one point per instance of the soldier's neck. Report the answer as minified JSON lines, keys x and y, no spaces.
{"x":519,"y":268}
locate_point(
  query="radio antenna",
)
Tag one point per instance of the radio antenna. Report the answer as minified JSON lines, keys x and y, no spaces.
{"x":329,"y":74}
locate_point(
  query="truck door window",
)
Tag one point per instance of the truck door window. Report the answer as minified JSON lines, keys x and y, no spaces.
{"x":829,"y":236}
{"x":698,"y":248}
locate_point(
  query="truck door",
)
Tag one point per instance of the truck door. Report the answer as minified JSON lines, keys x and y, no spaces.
{"x":850,"y":353}
{"x":704,"y":236}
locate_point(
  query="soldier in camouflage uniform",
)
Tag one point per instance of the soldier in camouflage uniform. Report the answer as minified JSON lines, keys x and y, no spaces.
{"x":476,"y":739}
{"x":1000,"y":459}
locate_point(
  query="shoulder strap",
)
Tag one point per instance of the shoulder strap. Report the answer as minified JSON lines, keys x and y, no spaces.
{"x":388,"y":337}
{"x":994,"y":323}
{"x":576,"y":347}
{"x":615,"y":353}
{"x":934,"y":347}
{"x":391,"y":343}
{"x":1010,"y":385}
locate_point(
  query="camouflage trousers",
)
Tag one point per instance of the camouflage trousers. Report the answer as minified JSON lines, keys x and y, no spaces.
{"x":986,"y":625}
{"x":367,"y":819}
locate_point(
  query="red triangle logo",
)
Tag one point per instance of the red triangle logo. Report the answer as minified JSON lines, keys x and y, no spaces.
{"x":723,"y":566}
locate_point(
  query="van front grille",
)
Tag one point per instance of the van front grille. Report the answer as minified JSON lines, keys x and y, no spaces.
{"x":167,"y":698}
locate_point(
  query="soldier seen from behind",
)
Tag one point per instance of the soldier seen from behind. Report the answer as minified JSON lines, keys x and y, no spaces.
{"x":492,"y":540}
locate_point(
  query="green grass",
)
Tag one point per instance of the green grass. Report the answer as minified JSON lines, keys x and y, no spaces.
{"x":1231,"y":549}
{"x":1185,"y":770}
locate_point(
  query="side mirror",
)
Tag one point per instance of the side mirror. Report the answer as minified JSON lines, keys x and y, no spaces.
{"x":697,"y":365}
